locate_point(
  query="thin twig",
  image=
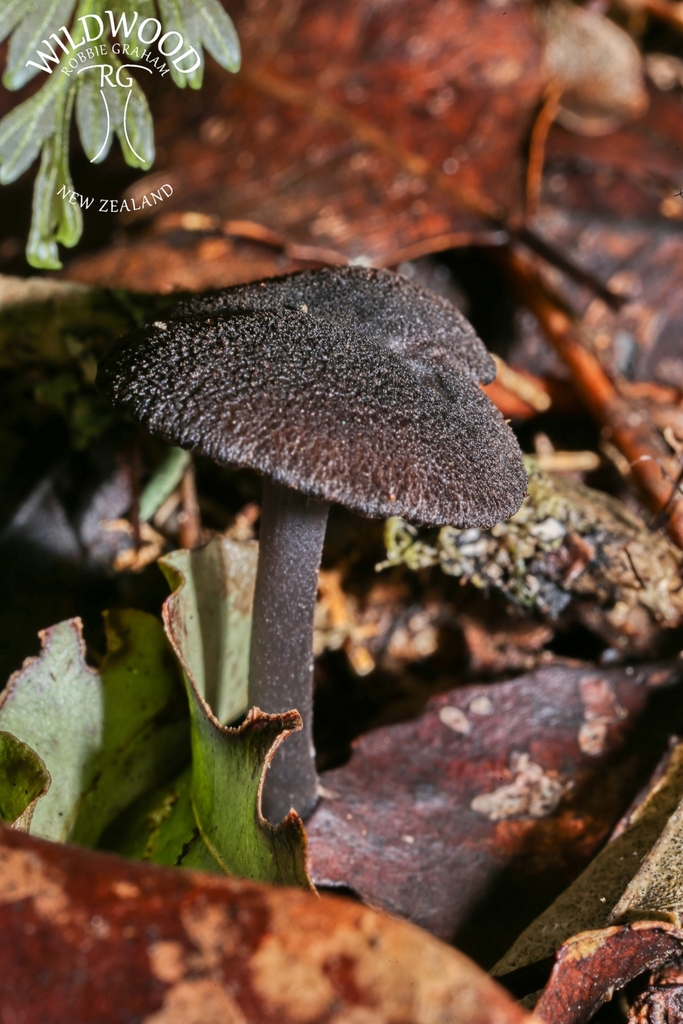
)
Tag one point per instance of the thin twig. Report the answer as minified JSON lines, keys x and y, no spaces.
{"x":551,"y":255}
{"x":135,"y":470}
{"x":628,"y":429}
{"x":539,"y":135}
{"x":190,"y":532}
{"x":633,"y":569}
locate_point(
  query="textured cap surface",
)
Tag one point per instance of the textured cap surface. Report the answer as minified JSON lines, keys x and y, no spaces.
{"x":416,"y":323}
{"x":323,"y":408}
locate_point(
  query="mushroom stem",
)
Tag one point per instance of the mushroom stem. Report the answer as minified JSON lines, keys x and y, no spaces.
{"x":281,"y":658}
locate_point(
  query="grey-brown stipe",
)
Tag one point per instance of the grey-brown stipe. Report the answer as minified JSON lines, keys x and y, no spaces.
{"x":281,"y":656}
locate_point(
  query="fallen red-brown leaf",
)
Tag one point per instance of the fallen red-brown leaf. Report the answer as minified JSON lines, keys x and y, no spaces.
{"x":467,"y":819}
{"x":354,"y":132}
{"x":88,"y":937}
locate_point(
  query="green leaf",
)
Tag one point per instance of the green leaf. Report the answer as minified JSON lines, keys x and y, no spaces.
{"x":192,"y":36}
{"x":208,"y":619}
{"x":144,"y":8}
{"x":41,"y":250}
{"x":24,"y":779}
{"x":102,"y":112}
{"x":43,"y":122}
{"x":54,"y":217}
{"x":58,"y":391}
{"x":163,"y":483}
{"x":67,"y":215}
{"x":228,"y":768}
{"x":172,"y":18}
{"x":162,"y":828}
{"x":132,"y":121}
{"x":24,"y":130}
{"x":106,"y":736}
{"x":205,"y":25}
{"x":12,"y":13}
{"x":210,"y":817}
{"x":45,"y":17}
{"x":92,"y":118}
{"x":216,"y":31}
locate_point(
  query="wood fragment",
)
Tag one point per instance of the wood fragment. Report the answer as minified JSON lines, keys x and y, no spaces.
{"x":523,"y":386}
{"x":568,"y":462}
{"x":649,"y":389}
{"x":561,"y":396}
{"x":511,"y":405}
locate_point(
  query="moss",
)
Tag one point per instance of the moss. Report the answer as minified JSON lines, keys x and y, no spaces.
{"x":568,"y":545}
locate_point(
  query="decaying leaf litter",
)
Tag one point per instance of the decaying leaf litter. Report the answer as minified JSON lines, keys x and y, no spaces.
{"x":489,"y":702}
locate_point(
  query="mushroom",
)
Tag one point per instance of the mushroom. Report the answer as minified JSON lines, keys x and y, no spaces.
{"x":340,"y":385}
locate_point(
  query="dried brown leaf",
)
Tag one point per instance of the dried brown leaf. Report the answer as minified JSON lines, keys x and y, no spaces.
{"x":592,"y":965}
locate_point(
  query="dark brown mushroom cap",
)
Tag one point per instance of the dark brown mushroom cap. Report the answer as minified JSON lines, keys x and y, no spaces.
{"x":412,"y":321}
{"x":319,"y":406}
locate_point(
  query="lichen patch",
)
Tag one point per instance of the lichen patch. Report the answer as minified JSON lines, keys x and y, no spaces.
{"x":212,"y":932}
{"x":533,"y":793}
{"x":455,"y":719}
{"x":198,"y":1002}
{"x":287,"y":984}
{"x":125,"y":890}
{"x":601,"y":709}
{"x":167,"y":961}
{"x":23,"y":876}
